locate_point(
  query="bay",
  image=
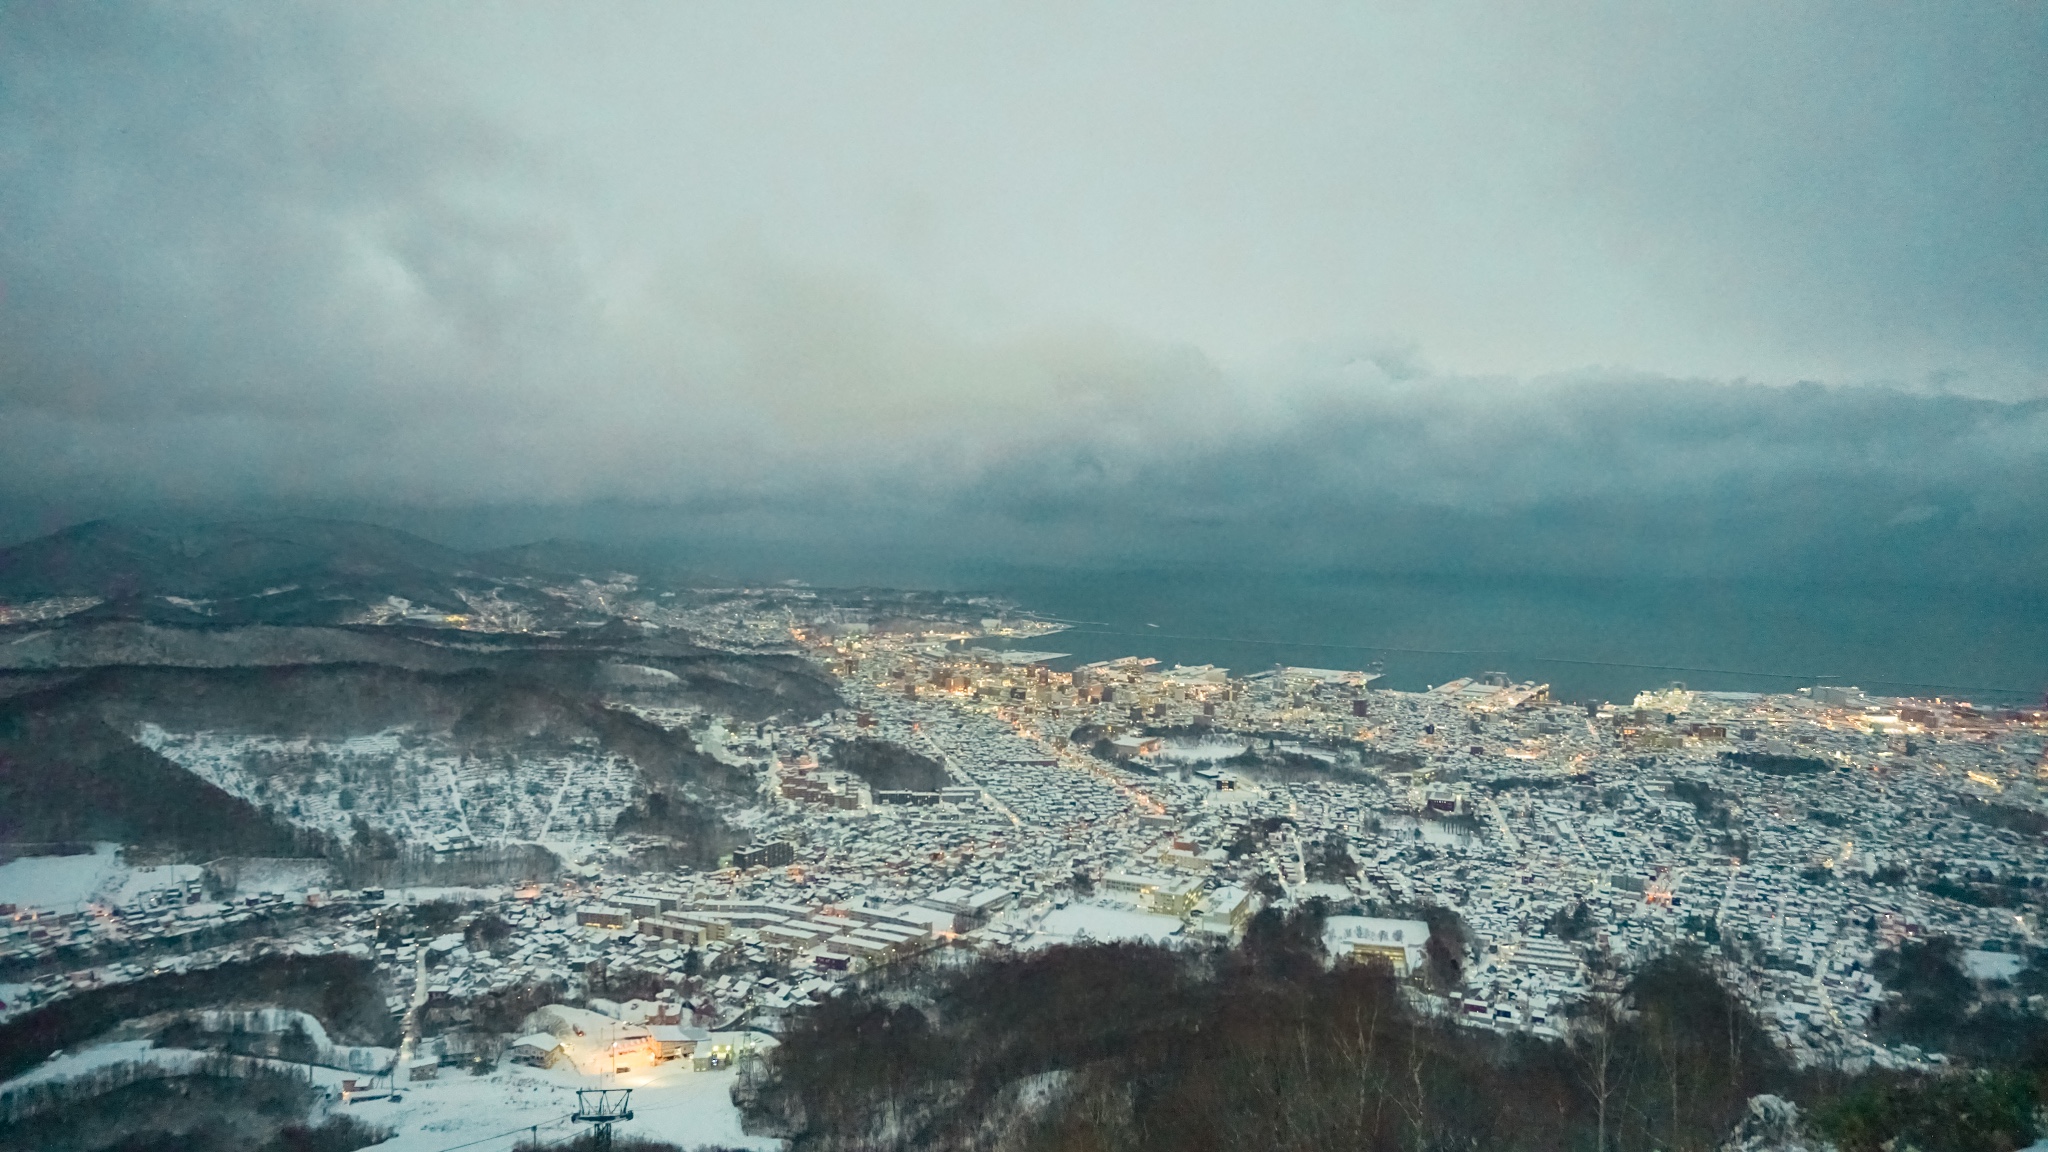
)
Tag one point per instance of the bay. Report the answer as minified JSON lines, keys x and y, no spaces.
{"x":1590,"y":640}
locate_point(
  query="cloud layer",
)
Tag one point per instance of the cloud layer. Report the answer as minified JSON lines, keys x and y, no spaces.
{"x":1403,"y":286}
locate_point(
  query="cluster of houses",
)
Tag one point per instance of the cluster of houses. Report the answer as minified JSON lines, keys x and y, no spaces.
{"x":828,"y":937}
{"x":623,"y":1037}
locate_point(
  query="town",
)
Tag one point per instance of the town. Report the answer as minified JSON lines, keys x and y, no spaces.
{"x":1507,"y":855}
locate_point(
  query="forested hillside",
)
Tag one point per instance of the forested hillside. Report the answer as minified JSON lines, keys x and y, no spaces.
{"x":1129,"y":1047}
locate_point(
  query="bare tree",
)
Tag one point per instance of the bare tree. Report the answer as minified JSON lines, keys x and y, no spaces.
{"x":1593,"y":1041}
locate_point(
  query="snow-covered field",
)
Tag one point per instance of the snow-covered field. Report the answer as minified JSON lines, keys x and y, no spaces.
{"x":1205,"y":751}
{"x":491,"y":1113}
{"x":1103,"y":923}
{"x":509,"y":1106}
{"x":68,"y":883}
{"x":411,"y":786}
{"x":59,"y":883}
{"x":1993,"y":965}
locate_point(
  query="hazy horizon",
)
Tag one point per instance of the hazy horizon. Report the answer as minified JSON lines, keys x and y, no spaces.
{"x":1748,"y":293}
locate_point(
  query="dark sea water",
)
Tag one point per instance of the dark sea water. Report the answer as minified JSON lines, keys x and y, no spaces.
{"x":1589,"y":641}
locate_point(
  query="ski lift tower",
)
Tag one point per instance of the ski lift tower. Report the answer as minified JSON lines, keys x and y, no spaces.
{"x":601,"y":1108}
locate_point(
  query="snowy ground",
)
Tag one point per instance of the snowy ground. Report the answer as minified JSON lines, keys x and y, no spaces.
{"x":1204,"y":751}
{"x":1993,"y":965}
{"x":501,"y":1110}
{"x":69,"y":883}
{"x":492,"y":1113}
{"x":1102,"y":923}
{"x":59,"y":883}
{"x":1433,"y":832}
{"x":70,"y":1065}
{"x":283,"y":877}
{"x":412,"y":786}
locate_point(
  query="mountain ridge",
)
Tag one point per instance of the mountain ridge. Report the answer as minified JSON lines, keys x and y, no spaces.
{"x":290,"y":633}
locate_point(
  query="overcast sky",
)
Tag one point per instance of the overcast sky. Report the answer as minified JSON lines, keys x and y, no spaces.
{"x":1035,"y":277}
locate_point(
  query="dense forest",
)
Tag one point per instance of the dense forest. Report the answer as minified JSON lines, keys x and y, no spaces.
{"x":223,"y":1106}
{"x":68,"y":775}
{"x":1112,"y":1047}
{"x":887,"y":766}
{"x":342,"y":992}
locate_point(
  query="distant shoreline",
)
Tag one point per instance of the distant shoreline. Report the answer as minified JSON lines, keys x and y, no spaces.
{"x":1590,"y":643}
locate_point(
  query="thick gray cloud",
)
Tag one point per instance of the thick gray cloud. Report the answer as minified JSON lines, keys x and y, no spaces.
{"x":1408,"y":285}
